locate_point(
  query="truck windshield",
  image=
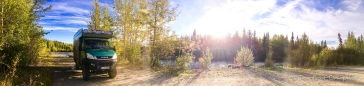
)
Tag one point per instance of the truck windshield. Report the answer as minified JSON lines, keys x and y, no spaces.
{"x":97,"y":44}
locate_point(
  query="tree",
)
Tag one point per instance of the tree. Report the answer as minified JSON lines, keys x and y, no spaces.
{"x":301,"y":51}
{"x":244,"y":57}
{"x":129,"y":28}
{"x":206,"y":58}
{"x":340,"y":49}
{"x":268,"y":61}
{"x":160,"y":14}
{"x":107,"y":20}
{"x":340,"y":41}
{"x":24,"y":37}
{"x":327,"y":56}
{"x":142,"y":24}
{"x":95,"y":23}
{"x":278,"y":45}
{"x":21,"y":36}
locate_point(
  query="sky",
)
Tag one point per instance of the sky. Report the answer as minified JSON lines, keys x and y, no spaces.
{"x":319,"y":19}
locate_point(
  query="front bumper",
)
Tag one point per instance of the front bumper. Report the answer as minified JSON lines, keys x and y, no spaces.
{"x":104,"y":64}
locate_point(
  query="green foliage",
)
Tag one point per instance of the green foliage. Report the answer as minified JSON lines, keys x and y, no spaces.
{"x":166,"y":48}
{"x":160,"y":13}
{"x":21,"y":38}
{"x":315,"y":60}
{"x":206,"y":58}
{"x":143,"y":24}
{"x":347,"y":53}
{"x":300,"y":51}
{"x":21,"y":35}
{"x":37,"y":77}
{"x":57,"y":46}
{"x":182,"y":62}
{"x":279,"y":45}
{"x":244,"y":57}
{"x":107,"y":20}
{"x":95,"y":23}
{"x":100,"y":18}
{"x":328,"y":57}
{"x":268,"y":61}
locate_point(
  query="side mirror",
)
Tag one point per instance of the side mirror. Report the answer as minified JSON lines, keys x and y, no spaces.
{"x":114,"y":48}
{"x":80,"y":48}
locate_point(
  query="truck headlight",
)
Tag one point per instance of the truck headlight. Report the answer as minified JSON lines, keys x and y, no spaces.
{"x":114,"y":57}
{"x":89,"y":56}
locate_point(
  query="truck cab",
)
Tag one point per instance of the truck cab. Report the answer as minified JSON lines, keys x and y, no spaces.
{"x":93,"y":53}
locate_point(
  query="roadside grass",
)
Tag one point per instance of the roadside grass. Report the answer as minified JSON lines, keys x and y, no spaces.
{"x":34,"y":76}
{"x":264,"y":69}
{"x":45,"y":61}
{"x":275,"y":68}
{"x":39,"y":74}
{"x":132,"y":66}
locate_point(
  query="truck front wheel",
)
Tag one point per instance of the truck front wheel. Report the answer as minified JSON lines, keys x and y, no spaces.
{"x":85,"y":73}
{"x":112,"y":72}
{"x":77,"y":66}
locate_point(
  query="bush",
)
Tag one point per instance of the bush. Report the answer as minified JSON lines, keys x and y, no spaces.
{"x":328,"y":57}
{"x":268,"y":61}
{"x":315,"y":60}
{"x":244,"y":57}
{"x":206,"y":58}
{"x":182,"y":62}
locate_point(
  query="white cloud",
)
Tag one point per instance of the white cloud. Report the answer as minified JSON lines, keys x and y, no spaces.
{"x":80,"y":20}
{"x":72,"y":29}
{"x":352,"y":4}
{"x":296,"y":16}
{"x":65,"y":8}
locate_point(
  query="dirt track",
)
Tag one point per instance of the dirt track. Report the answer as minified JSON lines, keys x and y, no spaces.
{"x":217,"y":76}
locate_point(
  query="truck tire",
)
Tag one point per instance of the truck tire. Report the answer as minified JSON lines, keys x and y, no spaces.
{"x":85,"y":73}
{"x":112,"y":72}
{"x":77,"y":66}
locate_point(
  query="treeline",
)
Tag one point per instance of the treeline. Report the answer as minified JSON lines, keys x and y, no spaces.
{"x":57,"y":46}
{"x":298,"y":51}
{"x":225,"y":49}
{"x":304,"y":53}
{"x":349,"y":52}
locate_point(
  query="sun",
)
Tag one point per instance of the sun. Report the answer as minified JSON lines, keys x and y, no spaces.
{"x":219,"y":22}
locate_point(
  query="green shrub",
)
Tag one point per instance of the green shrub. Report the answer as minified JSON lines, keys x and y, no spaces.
{"x":315,"y":60}
{"x":268,"y":61}
{"x":206,"y":58}
{"x":182,"y":62}
{"x":328,"y":57}
{"x":244,"y":57}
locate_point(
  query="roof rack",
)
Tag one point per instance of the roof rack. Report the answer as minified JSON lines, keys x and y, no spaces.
{"x":93,"y":33}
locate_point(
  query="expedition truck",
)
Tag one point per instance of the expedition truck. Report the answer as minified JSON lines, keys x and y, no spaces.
{"x":93,"y":53}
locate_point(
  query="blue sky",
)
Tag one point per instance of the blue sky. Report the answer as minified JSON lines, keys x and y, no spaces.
{"x":320,"y":19}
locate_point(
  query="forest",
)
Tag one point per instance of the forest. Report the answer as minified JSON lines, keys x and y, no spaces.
{"x":298,"y":51}
{"x":57,"y":46}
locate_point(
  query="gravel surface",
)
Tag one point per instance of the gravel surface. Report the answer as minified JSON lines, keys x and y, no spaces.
{"x":64,"y":75}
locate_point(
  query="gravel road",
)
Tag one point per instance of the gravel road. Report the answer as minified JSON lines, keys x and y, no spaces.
{"x":64,"y":75}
